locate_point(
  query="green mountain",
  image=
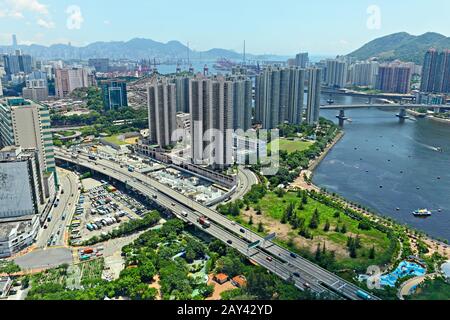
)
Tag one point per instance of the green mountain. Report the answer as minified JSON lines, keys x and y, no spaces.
{"x":402,"y":46}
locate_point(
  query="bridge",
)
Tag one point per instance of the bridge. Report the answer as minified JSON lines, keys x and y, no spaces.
{"x":402,"y":115}
{"x":288,"y":266}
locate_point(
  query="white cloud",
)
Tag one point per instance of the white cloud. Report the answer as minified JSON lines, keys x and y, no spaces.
{"x":46,"y":24}
{"x":28,"y":5}
{"x":75,"y":19}
{"x":107,"y":22}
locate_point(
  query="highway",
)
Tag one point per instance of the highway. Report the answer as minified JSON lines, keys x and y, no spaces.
{"x":283,"y":262}
{"x":57,"y":226}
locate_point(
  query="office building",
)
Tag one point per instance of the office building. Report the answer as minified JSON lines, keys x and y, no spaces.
{"x":162,"y":113}
{"x":394,"y":78}
{"x":100,"y":65}
{"x":14,"y":41}
{"x":336,"y":73}
{"x":114,"y":94}
{"x":436,"y":72}
{"x":364,"y":73}
{"x":314,"y":93}
{"x":211,"y":109}
{"x":27,"y":124}
{"x":69,"y":79}
{"x":279,"y":97}
{"x":15,"y":236}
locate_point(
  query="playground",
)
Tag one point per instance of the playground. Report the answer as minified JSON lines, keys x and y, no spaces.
{"x":405,"y":269}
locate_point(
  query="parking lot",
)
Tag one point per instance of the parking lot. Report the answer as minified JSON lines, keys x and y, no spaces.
{"x":101,"y":209}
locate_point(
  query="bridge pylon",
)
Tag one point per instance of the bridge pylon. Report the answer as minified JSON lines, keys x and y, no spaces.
{"x":402,"y":115}
{"x":341,"y":116}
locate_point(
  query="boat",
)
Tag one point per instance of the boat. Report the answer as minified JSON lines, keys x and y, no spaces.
{"x":439,"y":149}
{"x":422,"y":213}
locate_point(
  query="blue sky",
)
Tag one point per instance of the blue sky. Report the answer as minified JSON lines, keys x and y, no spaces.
{"x":268,"y":26}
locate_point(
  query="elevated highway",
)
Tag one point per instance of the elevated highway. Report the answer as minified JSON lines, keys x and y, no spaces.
{"x":281,"y":262}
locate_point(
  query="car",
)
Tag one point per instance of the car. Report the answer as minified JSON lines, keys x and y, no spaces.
{"x":270,"y":259}
{"x":293,"y":255}
{"x":173,"y":204}
{"x":230,"y":242}
{"x":296,"y":274}
{"x":307,"y":285}
{"x":233,"y":223}
{"x":45,"y":226}
{"x":242,"y":230}
{"x":184,"y":214}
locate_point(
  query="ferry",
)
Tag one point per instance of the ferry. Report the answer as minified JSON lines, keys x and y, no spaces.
{"x":422,"y":213}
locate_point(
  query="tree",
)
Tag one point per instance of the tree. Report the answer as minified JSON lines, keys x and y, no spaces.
{"x":372,"y":253}
{"x":315,"y":220}
{"x":327,"y":226}
{"x":344,"y":229}
{"x":147,"y":271}
{"x":250,"y":221}
{"x":260,"y":227}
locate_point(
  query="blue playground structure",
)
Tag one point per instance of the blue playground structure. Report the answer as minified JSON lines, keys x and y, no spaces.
{"x":405,"y":269}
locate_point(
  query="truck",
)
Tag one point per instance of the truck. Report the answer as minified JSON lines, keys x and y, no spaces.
{"x":363,"y":295}
{"x":204,"y":222}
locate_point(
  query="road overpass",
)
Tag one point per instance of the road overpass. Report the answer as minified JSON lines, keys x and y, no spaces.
{"x":282,"y":263}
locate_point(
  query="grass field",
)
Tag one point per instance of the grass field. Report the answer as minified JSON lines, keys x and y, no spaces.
{"x":115,"y":140}
{"x":433,"y":290}
{"x":274,"y":207}
{"x":292,"y":145}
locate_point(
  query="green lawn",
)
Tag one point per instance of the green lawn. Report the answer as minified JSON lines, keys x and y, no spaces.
{"x":274,"y":207}
{"x":115,"y":140}
{"x":433,"y":290}
{"x":292,"y":145}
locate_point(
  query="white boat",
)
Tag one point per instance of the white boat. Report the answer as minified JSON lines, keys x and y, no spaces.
{"x":422,"y":213}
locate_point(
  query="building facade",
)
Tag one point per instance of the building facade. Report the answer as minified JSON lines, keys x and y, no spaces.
{"x":114,"y":93}
{"x":69,"y":79}
{"x":436,"y":72}
{"x":162,"y":113}
{"x":314,"y":93}
{"x":336,"y":74}
{"x":211,"y":110}
{"x":27,"y":124}
{"x":279,"y":96}
{"x":394,"y":78}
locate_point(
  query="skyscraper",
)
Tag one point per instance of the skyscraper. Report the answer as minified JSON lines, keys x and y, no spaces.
{"x":302,"y":60}
{"x":314,"y":92}
{"x":162,"y":113}
{"x":336,"y":74}
{"x":364,"y":73}
{"x":18,"y":62}
{"x":436,"y":72}
{"x":278,"y":97}
{"x":242,"y":102}
{"x":114,"y":94}
{"x":211,"y":109}
{"x":14,"y":41}
{"x":394,"y":78}
{"x":182,"y":92}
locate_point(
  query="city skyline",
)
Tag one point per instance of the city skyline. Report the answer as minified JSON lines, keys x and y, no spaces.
{"x":362,"y":21}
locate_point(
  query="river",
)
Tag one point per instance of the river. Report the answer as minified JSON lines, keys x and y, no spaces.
{"x":385,"y":165}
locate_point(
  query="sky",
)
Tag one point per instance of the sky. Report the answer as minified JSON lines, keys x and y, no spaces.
{"x":284,"y":27}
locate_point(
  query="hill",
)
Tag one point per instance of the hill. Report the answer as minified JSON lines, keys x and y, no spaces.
{"x":134,"y":49}
{"x":402,"y":46}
